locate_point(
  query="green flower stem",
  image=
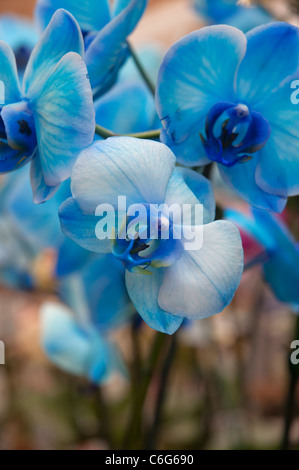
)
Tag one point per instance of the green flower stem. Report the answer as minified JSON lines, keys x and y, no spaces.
{"x":136,"y":370}
{"x":291,"y":398}
{"x":153,"y":434}
{"x":103,"y":414}
{"x":103,"y":132}
{"x":134,"y":431}
{"x":106,"y":133}
{"x":142,"y":71}
{"x":148,"y":135}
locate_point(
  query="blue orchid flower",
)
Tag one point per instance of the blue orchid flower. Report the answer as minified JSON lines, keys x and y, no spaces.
{"x":97,"y":293}
{"x":231,"y":13}
{"x":105,"y":31}
{"x":21,"y":35}
{"x":281,"y":257}
{"x":52,"y":119}
{"x":225,"y":97}
{"x":78,"y":349}
{"x":28,"y":229}
{"x":165,"y":281}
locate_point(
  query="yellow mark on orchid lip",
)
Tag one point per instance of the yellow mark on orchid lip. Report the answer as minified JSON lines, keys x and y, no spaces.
{"x":139,"y":270}
{"x":21,"y":160}
{"x":113,"y":237}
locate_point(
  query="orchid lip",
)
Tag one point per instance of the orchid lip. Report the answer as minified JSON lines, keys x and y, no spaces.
{"x":138,"y":253}
{"x":234,"y":133}
{"x":17,"y":126}
{"x":2,"y":128}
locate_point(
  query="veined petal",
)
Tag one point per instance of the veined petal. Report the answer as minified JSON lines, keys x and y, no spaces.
{"x":242,"y":179}
{"x":186,"y":187}
{"x":203,"y":282}
{"x":8,"y":76}
{"x":91,"y":15}
{"x":41,"y":191}
{"x":197,"y":72}
{"x":108,"y":50}
{"x":64,"y":118}
{"x":81,"y":228}
{"x":144,"y":291}
{"x":278,"y":168}
{"x":190,"y":152}
{"x":266,"y":65}
{"x":63,"y":35}
{"x":121,"y":166}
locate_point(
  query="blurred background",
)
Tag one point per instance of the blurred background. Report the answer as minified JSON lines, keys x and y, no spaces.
{"x":228,"y":385}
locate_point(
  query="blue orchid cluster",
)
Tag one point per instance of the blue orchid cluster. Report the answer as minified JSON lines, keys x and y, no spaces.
{"x":222,"y":97}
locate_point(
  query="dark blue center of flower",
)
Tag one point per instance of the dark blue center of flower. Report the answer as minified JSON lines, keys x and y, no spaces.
{"x":24,"y":128}
{"x":129,"y":251}
{"x":138,"y":253}
{"x":234,"y":133}
{"x":17,"y":126}
{"x":2,"y":128}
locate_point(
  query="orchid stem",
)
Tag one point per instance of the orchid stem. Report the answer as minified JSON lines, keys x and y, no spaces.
{"x":141,"y":70}
{"x":106,"y":133}
{"x":103,"y":132}
{"x":134,"y":431}
{"x":161,"y":395}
